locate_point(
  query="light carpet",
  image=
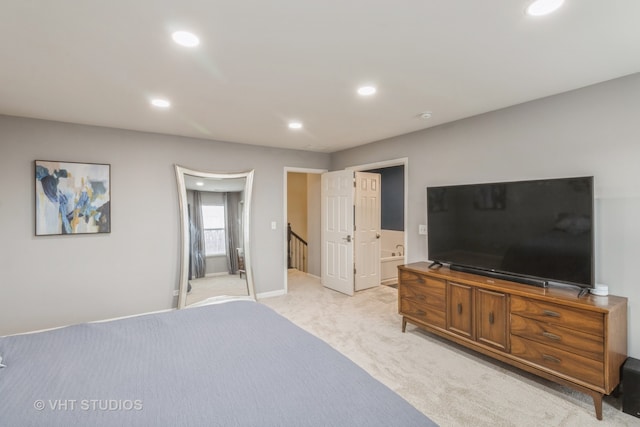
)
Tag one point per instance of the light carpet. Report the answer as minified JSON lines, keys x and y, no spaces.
{"x":450,"y":384}
{"x":213,"y":286}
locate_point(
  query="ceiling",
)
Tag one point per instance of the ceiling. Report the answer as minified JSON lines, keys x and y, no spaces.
{"x":261,"y":64}
{"x":215,"y":185}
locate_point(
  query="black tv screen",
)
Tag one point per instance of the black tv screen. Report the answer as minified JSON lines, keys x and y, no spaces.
{"x":541,"y":229}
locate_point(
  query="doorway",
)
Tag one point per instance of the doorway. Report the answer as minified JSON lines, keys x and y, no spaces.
{"x":313,"y":204}
{"x":394,"y":178}
{"x":302,"y":211}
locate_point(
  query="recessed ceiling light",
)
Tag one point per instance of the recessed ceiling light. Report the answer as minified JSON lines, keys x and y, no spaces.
{"x":543,"y":7}
{"x":366,"y":90}
{"x":185,"y":38}
{"x":425,"y":115}
{"x":199,"y":183}
{"x":161,"y":103}
{"x":295,"y":125}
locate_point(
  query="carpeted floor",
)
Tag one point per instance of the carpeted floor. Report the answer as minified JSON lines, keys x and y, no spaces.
{"x":207,"y":287}
{"x":451,"y":385}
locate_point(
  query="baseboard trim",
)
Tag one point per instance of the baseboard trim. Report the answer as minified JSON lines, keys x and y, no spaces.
{"x":271,"y":294}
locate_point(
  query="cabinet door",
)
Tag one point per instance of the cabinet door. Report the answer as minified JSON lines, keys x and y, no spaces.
{"x":491,"y":318}
{"x":460,"y":310}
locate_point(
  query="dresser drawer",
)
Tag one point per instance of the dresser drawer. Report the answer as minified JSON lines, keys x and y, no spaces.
{"x":587,"y":345}
{"x":424,"y":290}
{"x":560,"y":361}
{"x":584,"y":321}
{"x":422,"y":313}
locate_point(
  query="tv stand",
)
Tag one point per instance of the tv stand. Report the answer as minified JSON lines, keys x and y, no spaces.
{"x":550,"y":332}
{"x":435,"y":265}
{"x":504,"y":276}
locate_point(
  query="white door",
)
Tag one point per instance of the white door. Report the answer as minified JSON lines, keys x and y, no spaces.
{"x":367,"y":230}
{"x":337,"y":231}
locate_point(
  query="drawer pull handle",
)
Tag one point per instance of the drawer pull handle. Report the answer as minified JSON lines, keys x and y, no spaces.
{"x":551,"y":313}
{"x":459,"y":308}
{"x":551,"y":358}
{"x":491,"y":318}
{"x":551,"y":336}
{"x":421,"y":312}
{"x":420,"y":280}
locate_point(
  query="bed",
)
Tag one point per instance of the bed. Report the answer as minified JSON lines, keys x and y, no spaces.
{"x":237,"y":363}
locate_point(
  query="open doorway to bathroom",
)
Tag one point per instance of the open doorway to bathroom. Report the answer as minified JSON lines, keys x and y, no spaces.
{"x":392,"y":222}
{"x":393,"y":216}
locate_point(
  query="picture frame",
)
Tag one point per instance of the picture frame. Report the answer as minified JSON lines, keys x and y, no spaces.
{"x":72,"y":198}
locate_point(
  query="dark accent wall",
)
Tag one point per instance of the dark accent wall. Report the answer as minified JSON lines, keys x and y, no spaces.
{"x":392,"y":197}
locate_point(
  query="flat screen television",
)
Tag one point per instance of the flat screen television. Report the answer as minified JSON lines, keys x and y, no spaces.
{"x":536,"y":232}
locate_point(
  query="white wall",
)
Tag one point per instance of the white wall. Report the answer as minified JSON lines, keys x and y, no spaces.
{"x":591,"y":131}
{"x":56,"y":280}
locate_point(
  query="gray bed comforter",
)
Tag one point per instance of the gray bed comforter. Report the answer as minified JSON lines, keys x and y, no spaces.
{"x":232,"y":364}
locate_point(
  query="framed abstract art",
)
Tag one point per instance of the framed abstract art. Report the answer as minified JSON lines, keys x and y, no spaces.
{"x":72,"y":198}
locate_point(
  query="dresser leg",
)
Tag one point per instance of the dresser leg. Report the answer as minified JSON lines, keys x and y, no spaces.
{"x":597,"y":403}
{"x":404,"y":324}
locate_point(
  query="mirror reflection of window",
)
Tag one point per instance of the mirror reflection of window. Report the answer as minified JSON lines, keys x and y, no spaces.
{"x":214,"y":230}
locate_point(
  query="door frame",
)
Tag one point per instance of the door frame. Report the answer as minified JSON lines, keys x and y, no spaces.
{"x":288,"y":169}
{"x":402,"y":161}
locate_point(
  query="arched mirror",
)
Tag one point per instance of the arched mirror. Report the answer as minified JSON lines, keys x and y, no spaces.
{"x":215,"y":255}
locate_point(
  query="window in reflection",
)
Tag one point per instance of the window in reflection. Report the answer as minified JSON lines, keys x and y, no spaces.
{"x":213,"y":229}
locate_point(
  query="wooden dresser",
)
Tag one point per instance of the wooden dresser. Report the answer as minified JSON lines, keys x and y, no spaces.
{"x":550,"y":332}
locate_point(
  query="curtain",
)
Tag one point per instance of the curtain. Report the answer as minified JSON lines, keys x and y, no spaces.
{"x":231,"y":203}
{"x":196,"y":231}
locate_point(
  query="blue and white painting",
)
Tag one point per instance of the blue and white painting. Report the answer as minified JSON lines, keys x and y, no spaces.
{"x":72,"y":198}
